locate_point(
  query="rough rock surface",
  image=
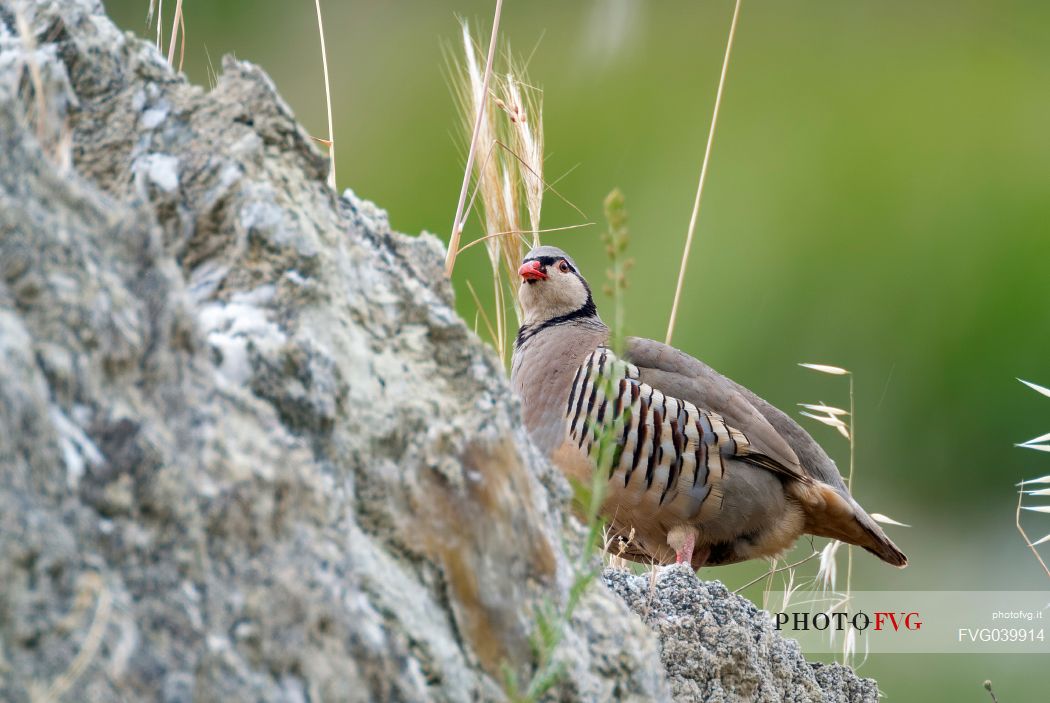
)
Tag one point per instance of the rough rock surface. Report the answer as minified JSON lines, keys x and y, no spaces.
{"x":248,"y":451}
{"x":717,"y":647}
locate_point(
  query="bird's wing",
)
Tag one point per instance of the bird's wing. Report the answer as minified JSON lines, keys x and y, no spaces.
{"x":668,"y":441}
{"x":772,"y":434}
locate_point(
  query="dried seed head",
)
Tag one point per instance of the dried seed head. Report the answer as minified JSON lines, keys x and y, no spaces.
{"x":824,"y":368}
{"x":879,"y":517}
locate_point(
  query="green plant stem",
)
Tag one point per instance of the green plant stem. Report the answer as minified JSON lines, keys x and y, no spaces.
{"x":550,"y":630}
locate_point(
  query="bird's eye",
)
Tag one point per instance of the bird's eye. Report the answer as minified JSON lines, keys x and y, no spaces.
{"x":563,"y":266}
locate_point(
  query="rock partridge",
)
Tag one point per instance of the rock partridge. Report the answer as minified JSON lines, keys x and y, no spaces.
{"x":703,"y":471}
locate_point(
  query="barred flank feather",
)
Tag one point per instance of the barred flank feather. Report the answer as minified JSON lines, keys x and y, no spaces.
{"x":660,"y":437}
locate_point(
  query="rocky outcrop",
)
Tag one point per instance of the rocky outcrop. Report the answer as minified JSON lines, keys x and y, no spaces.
{"x":248,"y":451}
{"x":716,"y":646}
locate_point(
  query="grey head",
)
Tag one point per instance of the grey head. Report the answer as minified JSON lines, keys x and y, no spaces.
{"x":560,"y":329}
{"x":552,"y":292}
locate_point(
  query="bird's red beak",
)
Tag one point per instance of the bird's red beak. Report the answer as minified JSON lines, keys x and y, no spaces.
{"x":532,"y":271}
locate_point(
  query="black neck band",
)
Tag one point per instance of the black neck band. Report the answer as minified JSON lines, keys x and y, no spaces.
{"x":527,"y":332}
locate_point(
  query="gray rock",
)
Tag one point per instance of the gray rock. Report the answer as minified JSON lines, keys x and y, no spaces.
{"x":718,"y":647}
{"x":248,"y":450}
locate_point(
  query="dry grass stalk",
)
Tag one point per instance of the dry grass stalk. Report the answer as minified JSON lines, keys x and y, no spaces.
{"x":506,"y":127}
{"x":1028,"y":541}
{"x":527,"y":173}
{"x":480,"y":103}
{"x":486,"y":237}
{"x":1041,"y":444}
{"x":177,"y":25}
{"x":481,"y":312}
{"x":88,"y":649}
{"x":29,"y":45}
{"x":703,"y":176}
{"x":490,"y":182}
{"x":827,"y":572}
{"x":776,"y":570}
{"x":528,"y":144}
{"x":614,"y":546}
{"x":156,"y":6}
{"x":52,"y":129}
{"x":844,"y":422}
{"x":833,"y":417}
{"x":327,"y":96}
{"x":178,"y":29}
{"x":506,"y":167}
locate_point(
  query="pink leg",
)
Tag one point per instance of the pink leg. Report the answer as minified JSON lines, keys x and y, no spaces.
{"x":684,"y":554}
{"x":682,"y":539}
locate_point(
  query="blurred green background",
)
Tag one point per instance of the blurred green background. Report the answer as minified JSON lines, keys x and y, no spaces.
{"x":879,"y":199}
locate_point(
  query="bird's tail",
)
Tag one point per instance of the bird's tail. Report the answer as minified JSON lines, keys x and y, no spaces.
{"x":878,"y":543}
{"x":829,"y":513}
